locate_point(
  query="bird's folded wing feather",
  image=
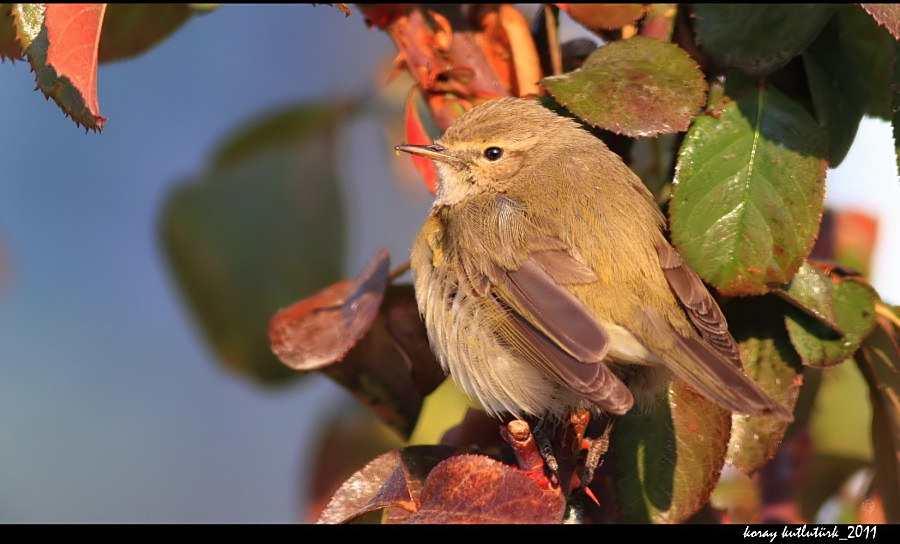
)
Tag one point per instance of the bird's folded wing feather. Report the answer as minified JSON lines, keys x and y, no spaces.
{"x":697,"y":302}
{"x":710,"y":362}
{"x":551,"y":328}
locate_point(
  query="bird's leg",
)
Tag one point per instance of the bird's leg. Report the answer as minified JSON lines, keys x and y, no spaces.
{"x":596,"y":451}
{"x":518,"y":434}
{"x":546,"y":447}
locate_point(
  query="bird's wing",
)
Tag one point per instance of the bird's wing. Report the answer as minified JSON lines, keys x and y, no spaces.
{"x":710,"y":362}
{"x":697,"y":302}
{"x":548,"y":326}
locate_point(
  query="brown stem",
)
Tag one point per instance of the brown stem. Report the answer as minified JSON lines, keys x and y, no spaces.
{"x":399,"y":271}
{"x":517,"y":434}
{"x":553,"y":40}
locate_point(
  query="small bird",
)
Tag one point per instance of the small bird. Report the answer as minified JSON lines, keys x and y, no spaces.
{"x":546,"y":282}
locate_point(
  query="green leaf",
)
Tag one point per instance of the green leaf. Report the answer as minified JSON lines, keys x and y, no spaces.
{"x":255,"y":234}
{"x":637,"y":87}
{"x":813,"y":292}
{"x":837,"y":92}
{"x":758,"y":38}
{"x":9,"y":45}
{"x":293,"y":124}
{"x":879,"y":362}
{"x":667,"y":461}
{"x":872,"y":49}
{"x":769,"y":358}
{"x":132,"y":29}
{"x":854,"y":312}
{"x":749,"y":191}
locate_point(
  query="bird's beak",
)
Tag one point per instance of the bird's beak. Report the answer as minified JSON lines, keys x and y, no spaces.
{"x":434,"y":152}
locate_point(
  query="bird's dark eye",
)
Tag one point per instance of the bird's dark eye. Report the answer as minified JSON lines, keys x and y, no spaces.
{"x":493,"y":153}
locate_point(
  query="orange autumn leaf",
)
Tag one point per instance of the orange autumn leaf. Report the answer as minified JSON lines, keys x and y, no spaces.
{"x":73,"y":32}
{"x":417,"y":135}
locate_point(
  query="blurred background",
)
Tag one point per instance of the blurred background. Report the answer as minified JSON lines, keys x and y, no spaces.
{"x":113,"y":406}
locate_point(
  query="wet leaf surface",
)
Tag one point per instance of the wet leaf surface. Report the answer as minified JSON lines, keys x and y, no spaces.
{"x":770,"y":360}
{"x":854,"y":310}
{"x":812,"y":291}
{"x":668,"y":461}
{"x":749,"y":191}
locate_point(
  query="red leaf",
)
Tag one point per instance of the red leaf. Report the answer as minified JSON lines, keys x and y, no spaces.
{"x":320,"y":329}
{"x":61,"y":42}
{"x":393,"y":479}
{"x":407,"y":331}
{"x":416,"y":135}
{"x":509,"y":48}
{"x":73,"y":31}
{"x":478,"y":489}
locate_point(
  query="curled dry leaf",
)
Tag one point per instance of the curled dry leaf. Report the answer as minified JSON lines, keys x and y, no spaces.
{"x":368,"y":338}
{"x":320,"y":329}
{"x":393,"y":479}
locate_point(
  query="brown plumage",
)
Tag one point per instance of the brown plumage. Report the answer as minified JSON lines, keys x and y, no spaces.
{"x":546,"y":283}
